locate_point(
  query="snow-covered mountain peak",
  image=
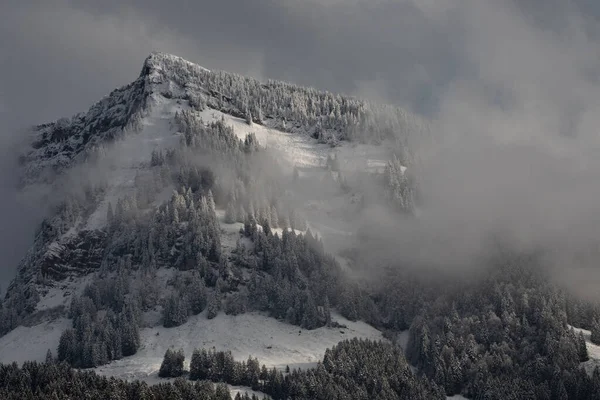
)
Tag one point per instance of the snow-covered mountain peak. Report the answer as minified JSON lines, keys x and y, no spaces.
{"x":58,"y":144}
{"x":162,"y":62}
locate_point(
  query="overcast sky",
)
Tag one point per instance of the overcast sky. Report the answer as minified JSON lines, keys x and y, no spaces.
{"x":59,"y":56}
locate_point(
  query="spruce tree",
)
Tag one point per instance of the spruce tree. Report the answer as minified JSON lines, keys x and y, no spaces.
{"x":230,"y":214}
{"x":595,"y":335}
{"x":172,"y":364}
{"x":582,"y":348}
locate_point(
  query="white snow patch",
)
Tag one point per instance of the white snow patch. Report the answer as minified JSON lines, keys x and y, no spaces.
{"x":593,"y":351}
{"x":244,"y":389}
{"x":274,"y":343}
{"x":62,"y":292}
{"x":55,"y":297}
{"x":32,"y":343}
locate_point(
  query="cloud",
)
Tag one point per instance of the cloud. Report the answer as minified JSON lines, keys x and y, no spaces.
{"x":515,"y":155}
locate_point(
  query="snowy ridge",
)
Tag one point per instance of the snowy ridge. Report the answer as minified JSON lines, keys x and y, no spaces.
{"x":159,"y":63}
{"x":57,"y":144}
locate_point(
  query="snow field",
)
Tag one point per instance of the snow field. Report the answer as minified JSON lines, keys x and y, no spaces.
{"x":274,"y":343}
{"x":31,"y":343}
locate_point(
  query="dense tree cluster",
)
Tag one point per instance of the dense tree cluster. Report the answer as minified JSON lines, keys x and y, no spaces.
{"x":505,"y":336}
{"x":177,"y":234}
{"x":58,"y":381}
{"x":586,"y":315}
{"x":293,"y":277}
{"x":172,"y":364}
{"x":105,"y":324}
{"x":357,"y":369}
{"x":401,"y":187}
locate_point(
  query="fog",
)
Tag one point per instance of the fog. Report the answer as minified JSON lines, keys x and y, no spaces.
{"x":511,"y":89}
{"x":514,"y":156}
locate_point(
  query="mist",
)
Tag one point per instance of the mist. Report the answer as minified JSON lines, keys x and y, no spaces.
{"x":514,"y":155}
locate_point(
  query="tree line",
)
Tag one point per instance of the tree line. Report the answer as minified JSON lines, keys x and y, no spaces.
{"x":356,"y":368}
{"x":51,"y":381}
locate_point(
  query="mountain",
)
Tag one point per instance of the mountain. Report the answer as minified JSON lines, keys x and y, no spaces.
{"x":112,"y":144}
{"x":209,"y":225}
{"x":154,"y":183}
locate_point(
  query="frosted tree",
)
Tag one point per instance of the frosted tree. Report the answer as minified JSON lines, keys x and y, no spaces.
{"x":175,"y":311}
{"x":172,"y":364}
{"x":214,"y":305}
{"x":230,"y":214}
{"x":582,"y":348}
{"x":196,"y":294}
{"x":595,"y":336}
{"x":259,"y":114}
{"x":211,"y":201}
{"x":49,"y":357}
{"x":327,"y":311}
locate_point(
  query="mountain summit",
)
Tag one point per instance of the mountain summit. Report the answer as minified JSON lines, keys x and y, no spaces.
{"x":287,"y":107}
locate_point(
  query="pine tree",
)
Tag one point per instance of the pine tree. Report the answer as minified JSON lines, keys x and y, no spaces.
{"x":582,"y":348}
{"x":230,"y":215}
{"x":595,"y":336}
{"x":172,"y":364}
{"x":327,"y":311}
{"x":211,"y":201}
{"x":175,"y":311}
{"x":196,"y":295}
{"x":67,"y":350}
{"x":259,"y":115}
{"x":49,"y":357}
{"x":214,"y":305}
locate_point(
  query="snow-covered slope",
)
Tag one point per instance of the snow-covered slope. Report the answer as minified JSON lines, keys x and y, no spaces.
{"x":32,"y":343}
{"x":274,"y":343}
